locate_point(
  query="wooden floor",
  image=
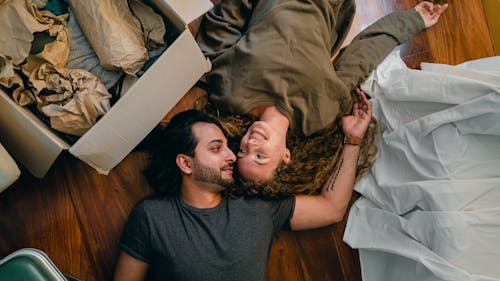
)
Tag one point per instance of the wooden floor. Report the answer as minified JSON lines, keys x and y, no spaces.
{"x":76,"y":215}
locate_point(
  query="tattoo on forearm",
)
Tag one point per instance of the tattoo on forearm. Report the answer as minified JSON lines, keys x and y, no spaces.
{"x":336,"y":172}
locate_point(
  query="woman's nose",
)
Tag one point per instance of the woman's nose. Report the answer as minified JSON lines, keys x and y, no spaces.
{"x":253,"y":142}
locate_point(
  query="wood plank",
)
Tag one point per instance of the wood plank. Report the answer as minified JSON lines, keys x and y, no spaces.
{"x":76,"y":215}
{"x":348,"y":258}
{"x":39,"y":214}
{"x":319,"y":257}
{"x":284,"y":259}
{"x":462,"y":34}
{"x":103,"y":203}
{"x":492,"y":11}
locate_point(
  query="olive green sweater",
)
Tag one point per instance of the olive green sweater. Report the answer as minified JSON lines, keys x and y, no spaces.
{"x":277,"y":52}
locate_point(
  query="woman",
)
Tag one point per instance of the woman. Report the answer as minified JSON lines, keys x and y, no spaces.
{"x":271,"y":61}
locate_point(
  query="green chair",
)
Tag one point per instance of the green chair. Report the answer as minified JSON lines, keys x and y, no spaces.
{"x":29,"y":265}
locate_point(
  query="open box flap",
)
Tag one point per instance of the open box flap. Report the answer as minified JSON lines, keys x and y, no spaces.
{"x":187,"y":10}
{"x":27,"y":138}
{"x":143,"y":106}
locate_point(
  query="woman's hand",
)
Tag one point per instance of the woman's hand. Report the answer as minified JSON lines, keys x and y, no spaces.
{"x":430,"y":13}
{"x":357,"y":123}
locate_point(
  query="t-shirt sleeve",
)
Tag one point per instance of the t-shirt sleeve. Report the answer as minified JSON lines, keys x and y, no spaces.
{"x":135,"y":239}
{"x":282,"y":213}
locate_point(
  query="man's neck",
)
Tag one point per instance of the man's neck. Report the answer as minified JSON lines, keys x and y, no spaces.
{"x":198,"y":197}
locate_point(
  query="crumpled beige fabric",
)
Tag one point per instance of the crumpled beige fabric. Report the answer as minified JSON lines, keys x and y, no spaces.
{"x":6,"y":70}
{"x":72,"y":98}
{"x":82,"y":56}
{"x":23,"y":96}
{"x":11,"y":80}
{"x":152,"y":24}
{"x":113,"y":32}
{"x":18,"y":16}
{"x":40,"y":3}
{"x":23,"y":19}
{"x":56,"y":52}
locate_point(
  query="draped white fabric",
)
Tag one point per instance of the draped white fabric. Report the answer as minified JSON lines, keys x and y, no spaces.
{"x":430,"y":207}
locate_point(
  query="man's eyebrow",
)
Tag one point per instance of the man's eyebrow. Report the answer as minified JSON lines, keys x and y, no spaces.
{"x":216,"y":141}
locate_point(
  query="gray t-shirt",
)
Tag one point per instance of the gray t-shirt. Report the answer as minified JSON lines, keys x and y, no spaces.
{"x":228,"y":242}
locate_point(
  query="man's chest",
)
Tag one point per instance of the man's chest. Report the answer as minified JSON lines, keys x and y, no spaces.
{"x":200,"y":250}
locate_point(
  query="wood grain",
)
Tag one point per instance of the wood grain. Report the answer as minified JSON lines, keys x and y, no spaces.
{"x":76,"y":215}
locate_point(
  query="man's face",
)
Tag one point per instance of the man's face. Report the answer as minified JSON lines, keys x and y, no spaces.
{"x":213,"y":160}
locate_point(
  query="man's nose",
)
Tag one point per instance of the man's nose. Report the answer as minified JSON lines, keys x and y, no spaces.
{"x":230,"y":155}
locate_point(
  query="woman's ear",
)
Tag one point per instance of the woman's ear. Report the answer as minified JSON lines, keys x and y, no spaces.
{"x":184,"y":163}
{"x":287,"y":156}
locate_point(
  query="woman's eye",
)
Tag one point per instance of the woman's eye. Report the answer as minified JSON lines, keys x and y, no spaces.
{"x":260,"y":156}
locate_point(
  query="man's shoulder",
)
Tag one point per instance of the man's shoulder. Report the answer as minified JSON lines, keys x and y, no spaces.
{"x":155,"y":204}
{"x":261,"y":202}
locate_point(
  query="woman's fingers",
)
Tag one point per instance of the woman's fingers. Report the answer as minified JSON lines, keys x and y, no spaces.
{"x":362,"y":106}
{"x":362,"y":98}
{"x":430,"y":13}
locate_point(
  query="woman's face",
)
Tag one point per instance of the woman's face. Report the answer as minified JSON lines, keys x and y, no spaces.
{"x":262,"y":149}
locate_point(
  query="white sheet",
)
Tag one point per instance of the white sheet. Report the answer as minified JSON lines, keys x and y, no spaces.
{"x":430,"y":208}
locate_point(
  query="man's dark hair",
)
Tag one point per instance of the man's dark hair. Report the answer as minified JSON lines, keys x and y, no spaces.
{"x":176,"y":138}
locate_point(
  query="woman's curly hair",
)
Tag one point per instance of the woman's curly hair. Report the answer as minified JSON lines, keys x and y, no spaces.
{"x":313,"y":157}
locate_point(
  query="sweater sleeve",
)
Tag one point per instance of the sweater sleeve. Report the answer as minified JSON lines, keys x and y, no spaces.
{"x":223,"y":26}
{"x":369,"y":48}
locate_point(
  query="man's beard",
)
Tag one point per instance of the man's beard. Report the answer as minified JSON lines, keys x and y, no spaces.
{"x":211,"y":175}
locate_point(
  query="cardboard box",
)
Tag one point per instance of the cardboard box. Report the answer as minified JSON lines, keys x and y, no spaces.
{"x":130,"y":119}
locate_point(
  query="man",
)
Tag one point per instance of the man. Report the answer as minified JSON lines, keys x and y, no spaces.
{"x":193,"y":232}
